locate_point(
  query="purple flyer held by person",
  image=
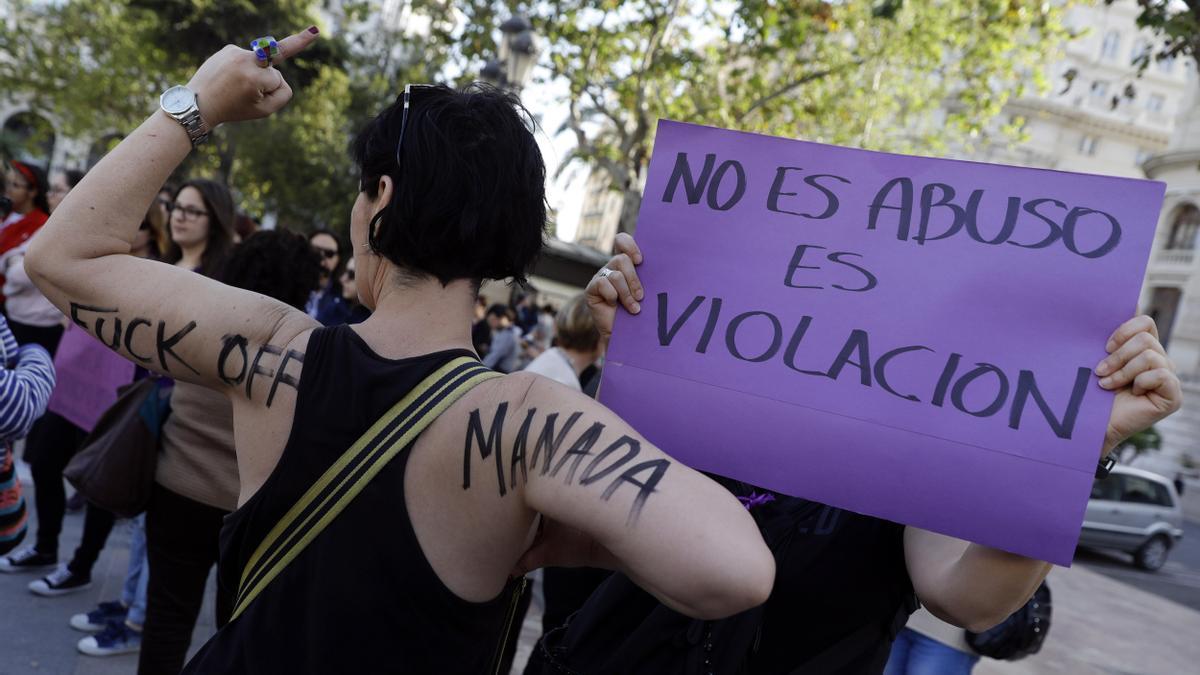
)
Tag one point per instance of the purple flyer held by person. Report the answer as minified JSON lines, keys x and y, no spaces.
{"x":905,"y":337}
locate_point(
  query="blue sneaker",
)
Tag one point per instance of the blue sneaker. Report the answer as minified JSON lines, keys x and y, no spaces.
{"x":116,"y":638}
{"x":95,"y":620}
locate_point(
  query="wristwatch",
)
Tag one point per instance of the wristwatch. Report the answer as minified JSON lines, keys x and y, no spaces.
{"x":1106,"y":465}
{"x":180,"y":103}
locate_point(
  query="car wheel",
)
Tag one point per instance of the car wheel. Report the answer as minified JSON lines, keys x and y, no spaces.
{"x":1153,"y":554}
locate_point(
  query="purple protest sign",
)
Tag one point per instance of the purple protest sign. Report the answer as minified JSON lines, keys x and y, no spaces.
{"x":905,"y":337}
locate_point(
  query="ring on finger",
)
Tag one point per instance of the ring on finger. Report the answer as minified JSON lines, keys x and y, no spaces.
{"x":605,"y":272}
{"x":265,"y":49}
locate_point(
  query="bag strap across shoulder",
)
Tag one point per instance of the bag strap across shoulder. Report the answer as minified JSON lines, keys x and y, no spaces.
{"x":346,"y":478}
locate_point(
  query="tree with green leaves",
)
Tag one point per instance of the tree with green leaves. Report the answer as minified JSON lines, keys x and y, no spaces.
{"x":887,"y":74}
{"x":96,"y":67}
{"x":1177,"y":24}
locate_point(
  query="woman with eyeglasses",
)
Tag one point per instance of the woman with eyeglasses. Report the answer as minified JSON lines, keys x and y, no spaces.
{"x":323,"y":304}
{"x":416,"y":571}
{"x":200,"y":226}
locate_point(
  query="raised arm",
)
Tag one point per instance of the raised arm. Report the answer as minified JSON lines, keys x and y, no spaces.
{"x":163,"y":318}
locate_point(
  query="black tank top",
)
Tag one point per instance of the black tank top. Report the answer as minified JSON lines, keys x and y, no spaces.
{"x":361,"y":598}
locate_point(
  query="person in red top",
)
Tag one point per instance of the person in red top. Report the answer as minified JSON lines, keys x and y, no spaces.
{"x":25,"y":184}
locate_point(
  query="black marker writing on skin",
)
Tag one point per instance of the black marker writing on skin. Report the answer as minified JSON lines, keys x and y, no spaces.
{"x":612,"y":462}
{"x":235,"y":366}
{"x":129,"y":331}
{"x":164,"y":345}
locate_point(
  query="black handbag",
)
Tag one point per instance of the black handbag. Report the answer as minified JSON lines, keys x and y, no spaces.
{"x":1019,"y":635}
{"x":115,"y":467}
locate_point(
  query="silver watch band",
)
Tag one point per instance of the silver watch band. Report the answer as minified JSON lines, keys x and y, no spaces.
{"x":197,"y":130}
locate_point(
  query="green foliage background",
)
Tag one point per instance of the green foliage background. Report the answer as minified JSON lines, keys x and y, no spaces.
{"x":867,"y":73}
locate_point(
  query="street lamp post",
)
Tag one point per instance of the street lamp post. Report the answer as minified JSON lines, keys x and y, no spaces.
{"x":518,"y":54}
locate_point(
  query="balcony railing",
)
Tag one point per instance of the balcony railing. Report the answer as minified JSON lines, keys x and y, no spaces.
{"x":1175,"y":256}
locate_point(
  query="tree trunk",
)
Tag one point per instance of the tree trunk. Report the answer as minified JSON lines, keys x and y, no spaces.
{"x":226,"y":152}
{"x":631,"y":204}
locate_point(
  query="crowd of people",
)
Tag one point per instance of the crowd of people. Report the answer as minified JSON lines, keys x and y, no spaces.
{"x":321,"y":391}
{"x":175,"y":543}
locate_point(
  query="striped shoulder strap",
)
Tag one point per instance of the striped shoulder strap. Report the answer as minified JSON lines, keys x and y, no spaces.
{"x":342,"y":482}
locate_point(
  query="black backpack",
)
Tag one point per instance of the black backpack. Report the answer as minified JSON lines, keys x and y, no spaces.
{"x":1019,"y":635}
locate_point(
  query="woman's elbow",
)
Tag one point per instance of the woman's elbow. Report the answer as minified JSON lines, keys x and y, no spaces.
{"x":746,"y":585}
{"x":977,"y":616}
{"x":37,"y":262}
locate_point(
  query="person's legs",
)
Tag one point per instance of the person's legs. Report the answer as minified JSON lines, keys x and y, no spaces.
{"x":930,"y":657}
{"x":77,"y":575}
{"x":137,"y":578}
{"x":97,"y":524}
{"x":181,"y":539}
{"x":901,"y":647}
{"x":52,"y":442}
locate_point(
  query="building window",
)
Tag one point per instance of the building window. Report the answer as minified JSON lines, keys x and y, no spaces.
{"x":1140,"y":49}
{"x":1100,"y":89}
{"x":1087,"y":144}
{"x":1184,"y":228}
{"x":1112,"y":43}
{"x":1164,"y":305}
{"x":1156,"y":103}
{"x":1166,"y":65}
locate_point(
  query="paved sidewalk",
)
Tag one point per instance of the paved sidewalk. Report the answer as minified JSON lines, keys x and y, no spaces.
{"x":1103,"y":626}
{"x":35,"y":638}
{"x":1100,"y":625}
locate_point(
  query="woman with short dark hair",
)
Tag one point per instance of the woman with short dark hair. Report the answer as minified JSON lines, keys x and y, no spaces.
{"x":369,"y":536}
{"x":323,"y":304}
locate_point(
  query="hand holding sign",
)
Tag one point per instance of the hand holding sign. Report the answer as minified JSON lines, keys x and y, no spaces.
{"x":1143,"y":377}
{"x":905,"y":337}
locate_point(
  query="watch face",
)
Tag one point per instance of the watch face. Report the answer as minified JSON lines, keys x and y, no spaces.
{"x":177,"y":100}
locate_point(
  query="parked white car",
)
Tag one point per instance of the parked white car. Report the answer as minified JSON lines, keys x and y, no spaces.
{"x":1134,"y":511}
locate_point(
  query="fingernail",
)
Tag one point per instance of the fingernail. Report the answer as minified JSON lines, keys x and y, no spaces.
{"x":1110,"y":345}
{"x":313,"y":30}
{"x":1106,"y":382}
{"x":1102,"y":369}
{"x":640,"y":294}
{"x":636,"y":308}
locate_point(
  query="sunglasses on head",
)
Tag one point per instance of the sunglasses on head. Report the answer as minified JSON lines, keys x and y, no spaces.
{"x":410,"y":90}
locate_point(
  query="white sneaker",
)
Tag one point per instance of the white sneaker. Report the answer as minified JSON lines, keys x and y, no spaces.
{"x":59,"y":582}
{"x":27,"y":560}
{"x":116,"y":638}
